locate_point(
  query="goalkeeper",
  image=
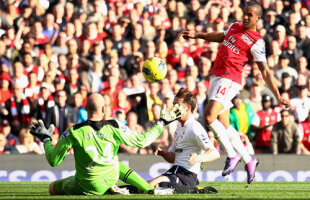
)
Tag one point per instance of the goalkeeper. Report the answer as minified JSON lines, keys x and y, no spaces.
{"x":95,"y":143}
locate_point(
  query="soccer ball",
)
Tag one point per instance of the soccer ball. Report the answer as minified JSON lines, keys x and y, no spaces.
{"x":154,"y":69}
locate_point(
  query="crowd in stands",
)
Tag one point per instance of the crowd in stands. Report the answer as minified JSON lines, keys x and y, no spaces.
{"x":54,"y":53}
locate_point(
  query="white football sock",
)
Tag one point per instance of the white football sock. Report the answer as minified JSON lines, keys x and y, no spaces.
{"x":238,"y":145}
{"x":221,"y":136}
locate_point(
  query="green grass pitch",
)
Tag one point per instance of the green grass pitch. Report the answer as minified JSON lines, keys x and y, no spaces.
{"x":227,"y":190}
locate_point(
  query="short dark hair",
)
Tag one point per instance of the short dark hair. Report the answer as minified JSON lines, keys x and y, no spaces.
{"x":258,"y":7}
{"x":187,"y":98}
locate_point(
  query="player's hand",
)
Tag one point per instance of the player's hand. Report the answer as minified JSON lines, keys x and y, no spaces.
{"x":169,"y":116}
{"x":39,"y":130}
{"x":193,"y":159}
{"x":284,"y":102}
{"x":188,"y":34}
{"x":160,"y":151}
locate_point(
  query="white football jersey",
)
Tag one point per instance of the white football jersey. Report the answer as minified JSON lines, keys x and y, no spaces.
{"x":191,"y":138}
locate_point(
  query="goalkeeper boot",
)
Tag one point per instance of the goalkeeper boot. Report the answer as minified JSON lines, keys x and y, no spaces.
{"x":231,"y":164}
{"x":251,"y":168}
{"x":205,"y":190}
{"x":117,"y":190}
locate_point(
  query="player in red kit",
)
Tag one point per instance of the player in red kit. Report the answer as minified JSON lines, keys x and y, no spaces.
{"x":262,"y":124}
{"x":304,"y":131}
{"x":239,"y":44}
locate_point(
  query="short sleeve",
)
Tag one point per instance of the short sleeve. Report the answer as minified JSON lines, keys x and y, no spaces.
{"x":226,"y":31}
{"x":201,"y":138}
{"x":258,"y":51}
{"x":256,"y":120}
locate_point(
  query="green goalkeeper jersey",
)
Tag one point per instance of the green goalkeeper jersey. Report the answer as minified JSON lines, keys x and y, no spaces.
{"x":95,"y":146}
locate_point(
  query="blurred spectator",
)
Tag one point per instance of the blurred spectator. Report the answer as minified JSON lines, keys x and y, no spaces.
{"x":280,"y":36}
{"x":26,"y":143}
{"x":288,"y":86}
{"x":241,"y":116}
{"x":72,"y":84}
{"x":45,"y":100}
{"x":302,"y":68}
{"x":301,"y":104}
{"x":18,"y":110}
{"x":284,"y":67}
{"x":165,"y":88}
{"x":61,"y":114}
{"x":33,"y":88}
{"x":19,"y":76}
{"x":5,"y":147}
{"x":153,"y":98}
{"x":30,"y":67}
{"x":5,"y":87}
{"x":48,"y":29}
{"x":11,"y":139}
{"x":94,"y":77}
{"x":38,"y":33}
{"x":255,"y":101}
{"x":201,"y":97}
{"x":292,"y":51}
{"x":285,"y":137}
{"x":77,"y":103}
{"x":121,"y":102}
{"x":262,"y":124}
{"x":304,"y":131}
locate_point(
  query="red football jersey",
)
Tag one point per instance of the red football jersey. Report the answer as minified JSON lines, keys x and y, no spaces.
{"x":306,"y":132}
{"x":238,"y":47}
{"x":263,"y":136}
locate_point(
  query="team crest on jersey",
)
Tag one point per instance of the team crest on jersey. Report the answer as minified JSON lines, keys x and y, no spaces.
{"x":124,"y":128}
{"x":66,"y":133}
{"x":247,"y":39}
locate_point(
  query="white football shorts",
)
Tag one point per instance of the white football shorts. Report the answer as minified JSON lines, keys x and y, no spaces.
{"x":223,"y":90}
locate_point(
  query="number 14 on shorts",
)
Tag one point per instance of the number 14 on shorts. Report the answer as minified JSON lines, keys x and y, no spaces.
{"x":221,"y":91}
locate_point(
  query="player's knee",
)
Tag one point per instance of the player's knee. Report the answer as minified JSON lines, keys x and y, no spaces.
{"x":51,"y":189}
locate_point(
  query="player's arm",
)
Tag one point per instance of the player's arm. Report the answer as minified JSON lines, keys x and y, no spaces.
{"x":134,"y":139}
{"x":256,"y":124}
{"x":210,"y":155}
{"x":53,"y":156}
{"x":56,"y":155}
{"x":201,"y":138}
{"x":269,"y":79}
{"x":167,"y":155}
{"x":259,"y":54}
{"x":211,"y":37}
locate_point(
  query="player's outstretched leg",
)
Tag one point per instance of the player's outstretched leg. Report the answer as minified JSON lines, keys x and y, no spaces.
{"x":251,"y":168}
{"x":127,"y":175}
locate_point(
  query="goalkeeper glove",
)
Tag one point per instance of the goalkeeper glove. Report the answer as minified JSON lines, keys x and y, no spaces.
{"x":172,"y":115}
{"x":39,"y":130}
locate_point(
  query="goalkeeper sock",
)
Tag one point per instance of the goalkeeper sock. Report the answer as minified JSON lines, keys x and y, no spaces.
{"x":128,"y":176}
{"x":220,"y":134}
{"x":238,"y":145}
